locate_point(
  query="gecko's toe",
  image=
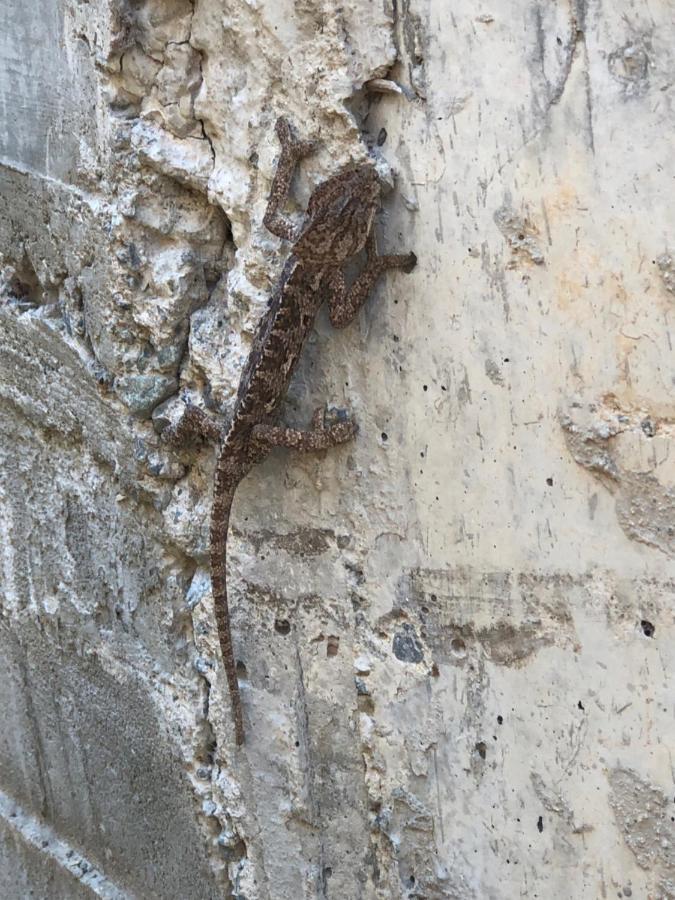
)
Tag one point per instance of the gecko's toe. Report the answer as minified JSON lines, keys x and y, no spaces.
{"x":284,"y":130}
{"x":319,"y":419}
{"x":343,"y":432}
{"x":305,"y":148}
{"x":290,"y":142}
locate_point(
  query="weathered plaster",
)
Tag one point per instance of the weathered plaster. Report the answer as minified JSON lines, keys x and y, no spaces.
{"x":453,"y":633}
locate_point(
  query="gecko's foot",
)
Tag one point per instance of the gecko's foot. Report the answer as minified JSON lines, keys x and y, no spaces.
{"x":193,"y":424}
{"x":290,"y":142}
{"x":338,"y":429}
{"x":404,"y":261}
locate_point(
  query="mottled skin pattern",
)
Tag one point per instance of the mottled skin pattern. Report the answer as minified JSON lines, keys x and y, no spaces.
{"x":337,"y":225}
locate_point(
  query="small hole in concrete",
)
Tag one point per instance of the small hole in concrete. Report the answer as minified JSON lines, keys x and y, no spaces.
{"x":481,"y":749}
{"x":242,"y":674}
{"x":458,"y":646}
{"x":500,"y":720}
{"x":384,"y":436}
{"x":211,"y":747}
{"x":647,"y":628}
{"x":580,"y":705}
{"x":282,"y":626}
{"x":434,"y":670}
{"x":332,"y":645}
{"x":540,"y":824}
{"x":549,"y":482}
{"x":24,"y":283}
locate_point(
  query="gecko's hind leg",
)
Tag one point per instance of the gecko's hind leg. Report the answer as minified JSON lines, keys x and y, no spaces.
{"x":319,"y":437}
{"x":292,"y":151}
{"x":194,"y":423}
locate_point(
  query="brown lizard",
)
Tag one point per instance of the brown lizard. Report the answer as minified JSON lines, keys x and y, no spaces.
{"x":338,"y":224}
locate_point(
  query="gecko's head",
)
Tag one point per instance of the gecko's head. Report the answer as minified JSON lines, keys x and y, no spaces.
{"x":339,"y":216}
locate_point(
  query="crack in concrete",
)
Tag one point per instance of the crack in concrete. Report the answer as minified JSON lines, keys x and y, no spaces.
{"x":200,"y":54}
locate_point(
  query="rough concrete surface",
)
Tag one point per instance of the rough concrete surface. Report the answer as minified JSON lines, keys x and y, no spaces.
{"x":453,"y":634}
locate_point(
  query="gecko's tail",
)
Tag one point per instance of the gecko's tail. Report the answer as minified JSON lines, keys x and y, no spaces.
{"x":220,"y":518}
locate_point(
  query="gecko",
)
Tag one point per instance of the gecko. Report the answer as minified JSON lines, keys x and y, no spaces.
{"x":337,"y":225}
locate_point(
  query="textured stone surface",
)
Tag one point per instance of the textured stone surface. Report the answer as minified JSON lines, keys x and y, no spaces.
{"x":454,"y":634}
{"x":27,"y":871}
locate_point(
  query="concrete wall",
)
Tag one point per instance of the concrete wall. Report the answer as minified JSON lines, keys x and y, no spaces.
{"x":454,"y":634}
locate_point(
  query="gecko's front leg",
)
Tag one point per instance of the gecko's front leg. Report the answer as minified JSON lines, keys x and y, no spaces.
{"x":292,"y":151}
{"x":344,"y":304}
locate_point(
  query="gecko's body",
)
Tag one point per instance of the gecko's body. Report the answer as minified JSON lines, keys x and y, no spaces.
{"x":338,"y":225}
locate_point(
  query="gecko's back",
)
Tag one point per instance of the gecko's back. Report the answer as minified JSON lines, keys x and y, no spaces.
{"x":277,"y":345}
